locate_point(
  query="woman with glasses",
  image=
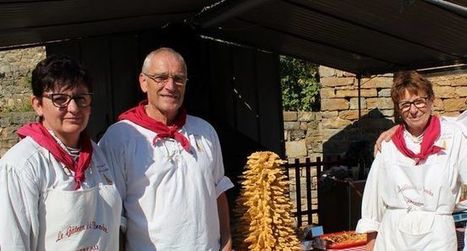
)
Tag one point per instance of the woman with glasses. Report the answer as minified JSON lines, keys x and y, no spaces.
{"x":415,"y":180}
{"x":56,"y":189}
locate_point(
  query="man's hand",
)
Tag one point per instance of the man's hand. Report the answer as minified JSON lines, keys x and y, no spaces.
{"x":386,"y":136}
{"x":224,"y":222}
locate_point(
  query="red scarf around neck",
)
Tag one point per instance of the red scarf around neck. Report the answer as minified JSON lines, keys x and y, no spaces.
{"x":138,"y":116}
{"x":42,"y":136}
{"x":427,"y":148}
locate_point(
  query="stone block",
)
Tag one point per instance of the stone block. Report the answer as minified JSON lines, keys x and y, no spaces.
{"x":332,"y":82}
{"x":459,"y":81}
{"x":313,"y":132}
{"x":297,"y":134}
{"x":327,"y":92}
{"x":329,"y":114}
{"x":334,"y":104}
{"x":338,"y":123}
{"x":348,"y":115}
{"x":384,"y":93}
{"x":444,"y":92}
{"x":377,"y":82}
{"x":354,"y":93}
{"x":5,"y":68}
{"x":347,"y":74}
{"x":316,"y":148}
{"x":314,"y":144}
{"x":354,"y":103}
{"x":440,"y":80}
{"x":438,"y":104}
{"x":291,"y":125}
{"x":346,"y":93}
{"x":290,"y":116}
{"x":451,"y":114}
{"x":306,"y":116}
{"x":462,"y":91}
{"x":380,"y":103}
{"x":326,"y":71}
{"x":313,"y":125}
{"x":451,"y":105}
{"x":314,"y":156}
{"x":295,"y":149}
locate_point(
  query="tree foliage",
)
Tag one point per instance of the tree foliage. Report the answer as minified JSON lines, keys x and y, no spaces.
{"x":299,"y":84}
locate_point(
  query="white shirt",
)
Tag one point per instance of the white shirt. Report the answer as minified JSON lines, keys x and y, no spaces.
{"x":30,"y":176}
{"x":169,"y":194}
{"x":462,"y":120}
{"x":410,"y":206}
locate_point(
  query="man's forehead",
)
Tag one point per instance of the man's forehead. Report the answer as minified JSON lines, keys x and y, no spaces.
{"x":164,"y":59}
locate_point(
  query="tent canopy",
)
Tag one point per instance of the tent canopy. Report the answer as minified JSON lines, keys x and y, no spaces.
{"x":363,"y":37}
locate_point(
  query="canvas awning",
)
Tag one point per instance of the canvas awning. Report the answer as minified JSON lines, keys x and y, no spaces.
{"x":363,"y":37}
{"x":29,"y":22}
{"x":366,"y":36}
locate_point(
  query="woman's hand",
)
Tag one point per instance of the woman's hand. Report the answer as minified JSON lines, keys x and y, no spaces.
{"x":371,"y":237}
{"x":386,"y":136}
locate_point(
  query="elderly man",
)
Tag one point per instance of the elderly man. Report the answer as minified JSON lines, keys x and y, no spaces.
{"x":168,"y":166}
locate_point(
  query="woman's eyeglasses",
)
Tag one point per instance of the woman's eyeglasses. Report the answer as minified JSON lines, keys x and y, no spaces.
{"x":420,"y":103}
{"x":62,"y":100}
{"x":162,"y":79}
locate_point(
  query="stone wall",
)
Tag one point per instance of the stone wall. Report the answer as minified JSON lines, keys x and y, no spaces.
{"x":15,"y":92}
{"x":338,"y":127}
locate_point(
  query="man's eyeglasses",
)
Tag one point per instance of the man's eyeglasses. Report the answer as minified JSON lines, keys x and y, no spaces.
{"x":162,"y":79}
{"x":420,"y":103}
{"x":62,"y":100}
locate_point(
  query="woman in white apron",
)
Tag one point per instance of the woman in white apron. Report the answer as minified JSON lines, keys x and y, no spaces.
{"x":415,"y":180}
{"x":56,"y":189}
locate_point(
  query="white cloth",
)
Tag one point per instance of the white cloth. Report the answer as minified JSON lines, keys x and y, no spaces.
{"x":41,"y":210}
{"x":410,"y":206}
{"x":169,"y":195}
{"x":462,"y":120}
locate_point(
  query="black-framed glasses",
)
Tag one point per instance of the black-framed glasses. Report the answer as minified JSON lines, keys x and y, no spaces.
{"x":61,"y":100}
{"x":162,"y":79}
{"x":420,"y":103}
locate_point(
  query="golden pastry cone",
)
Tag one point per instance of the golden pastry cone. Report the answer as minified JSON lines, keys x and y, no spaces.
{"x":263,"y":208}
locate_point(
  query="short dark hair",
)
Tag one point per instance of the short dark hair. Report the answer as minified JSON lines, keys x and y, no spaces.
{"x":411,"y":81}
{"x":58,"y":71}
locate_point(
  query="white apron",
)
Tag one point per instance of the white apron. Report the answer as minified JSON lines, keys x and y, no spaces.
{"x":425,"y":222}
{"x":416,"y":230}
{"x":410,"y":206}
{"x":81,"y":220}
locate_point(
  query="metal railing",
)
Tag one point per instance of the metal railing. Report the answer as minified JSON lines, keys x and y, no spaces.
{"x":298,"y":168}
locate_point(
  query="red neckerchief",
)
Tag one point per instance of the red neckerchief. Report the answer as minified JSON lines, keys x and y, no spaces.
{"x":427,"y":148}
{"x":42,"y":136}
{"x":138,"y":116}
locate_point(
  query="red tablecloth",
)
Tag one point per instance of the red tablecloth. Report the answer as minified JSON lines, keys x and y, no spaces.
{"x":359,"y":248}
{"x":460,"y":243}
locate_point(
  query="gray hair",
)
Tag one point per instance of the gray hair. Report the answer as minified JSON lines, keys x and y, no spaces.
{"x":147,"y":60}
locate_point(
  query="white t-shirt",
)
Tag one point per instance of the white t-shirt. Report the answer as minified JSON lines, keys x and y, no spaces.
{"x":169,"y":195}
{"x":30,"y":176}
{"x":410,"y":205}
